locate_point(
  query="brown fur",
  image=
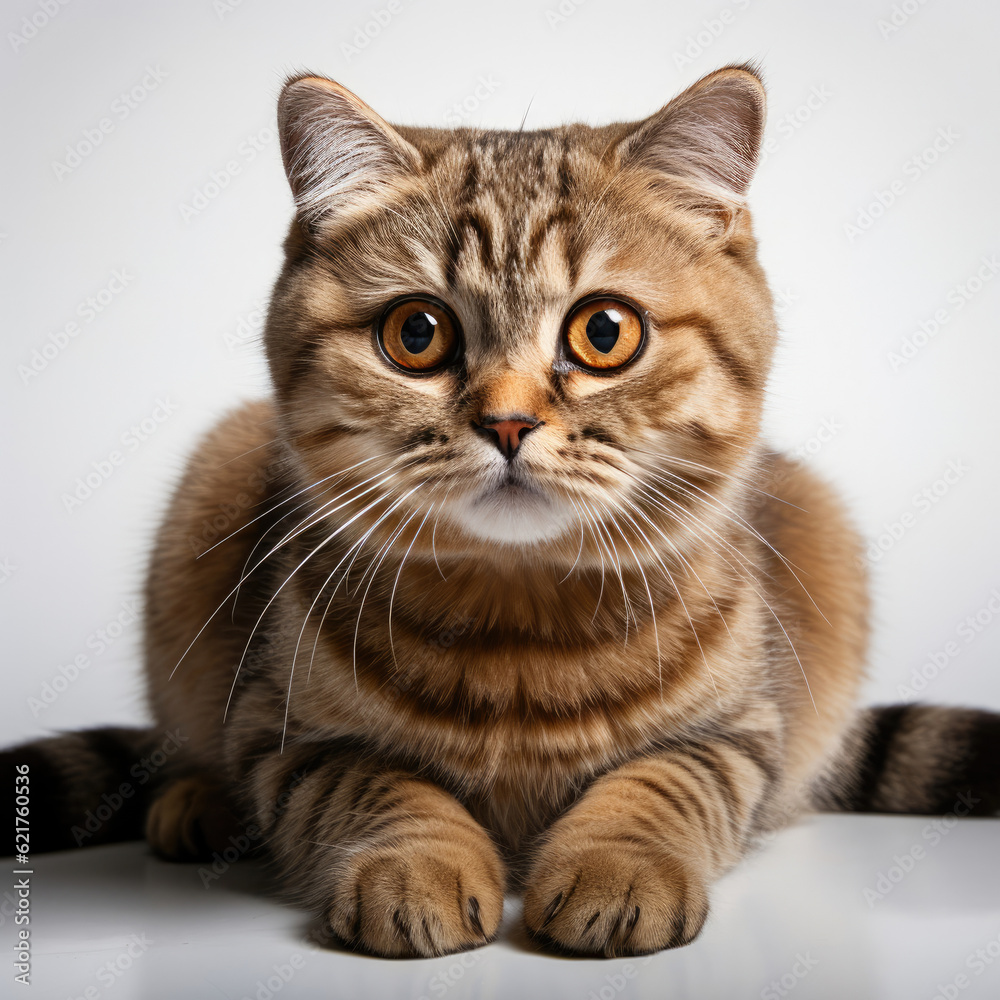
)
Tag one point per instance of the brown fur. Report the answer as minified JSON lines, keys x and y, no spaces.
{"x":421,"y":705}
{"x":617,"y":764}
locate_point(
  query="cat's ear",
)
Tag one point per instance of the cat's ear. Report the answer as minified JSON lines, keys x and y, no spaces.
{"x":336,"y":150}
{"x":710,"y":134}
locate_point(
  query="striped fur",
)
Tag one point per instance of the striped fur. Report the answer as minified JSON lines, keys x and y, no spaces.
{"x":594,"y":672}
{"x":77,"y":781}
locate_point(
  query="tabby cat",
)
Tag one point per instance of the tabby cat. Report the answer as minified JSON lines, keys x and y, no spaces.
{"x":502,"y":589}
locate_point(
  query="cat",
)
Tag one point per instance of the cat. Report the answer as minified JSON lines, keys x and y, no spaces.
{"x":502,"y":590}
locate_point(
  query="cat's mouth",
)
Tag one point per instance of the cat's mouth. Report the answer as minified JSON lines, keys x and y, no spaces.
{"x":512,"y":489}
{"x":511,"y":510}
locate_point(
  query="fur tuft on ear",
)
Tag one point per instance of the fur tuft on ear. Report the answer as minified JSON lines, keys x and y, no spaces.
{"x":710,"y":134}
{"x":336,"y":150}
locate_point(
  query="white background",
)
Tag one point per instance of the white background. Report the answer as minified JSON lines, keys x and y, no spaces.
{"x":880,"y":97}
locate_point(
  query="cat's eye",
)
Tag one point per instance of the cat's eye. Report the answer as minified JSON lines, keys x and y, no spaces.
{"x":603,"y":333}
{"x":419,"y":335}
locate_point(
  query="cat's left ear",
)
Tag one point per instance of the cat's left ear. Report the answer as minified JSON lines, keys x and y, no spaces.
{"x":338,"y":153}
{"x":710,"y":134}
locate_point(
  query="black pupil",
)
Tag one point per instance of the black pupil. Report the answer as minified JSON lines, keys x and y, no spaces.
{"x":417,"y":332}
{"x":603,"y":329}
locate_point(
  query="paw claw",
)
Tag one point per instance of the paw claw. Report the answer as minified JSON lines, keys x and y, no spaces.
{"x":475,"y":917}
{"x":615,"y":901}
{"x":410,"y":904}
{"x":551,"y":910}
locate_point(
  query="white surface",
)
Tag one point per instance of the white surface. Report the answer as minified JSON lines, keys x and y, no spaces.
{"x":196,"y":283}
{"x":197,"y":280}
{"x":802,"y":898}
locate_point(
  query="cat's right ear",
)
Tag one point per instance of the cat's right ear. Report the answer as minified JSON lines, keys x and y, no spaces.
{"x":337,"y":151}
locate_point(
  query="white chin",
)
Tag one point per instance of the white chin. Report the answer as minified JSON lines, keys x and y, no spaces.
{"x":512,"y":516}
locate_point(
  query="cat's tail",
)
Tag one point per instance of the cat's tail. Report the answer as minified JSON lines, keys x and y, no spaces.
{"x":921,"y":759}
{"x":81,"y":789}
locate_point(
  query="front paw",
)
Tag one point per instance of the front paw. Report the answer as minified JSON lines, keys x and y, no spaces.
{"x":405,"y":901}
{"x":612,"y":897}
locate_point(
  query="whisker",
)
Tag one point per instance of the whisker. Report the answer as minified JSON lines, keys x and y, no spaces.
{"x":288,"y":537}
{"x":680,"y":555}
{"x":741,"y":480}
{"x":395,"y":583}
{"x":356,"y":549}
{"x":291,"y":672}
{"x":304,"y":489}
{"x":322,"y":510}
{"x":753,"y":531}
{"x":616,"y":562}
{"x":680,"y":597}
{"x":361,"y":609}
{"x":249,"y":451}
{"x":600,"y":552}
{"x":434,"y":535}
{"x":579,"y":551}
{"x":282,"y":586}
{"x":687,"y":517}
{"x":751,"y":581}
{"x":652,"y":609}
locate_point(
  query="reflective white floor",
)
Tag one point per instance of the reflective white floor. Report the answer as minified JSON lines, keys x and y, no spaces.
{"x":795,"y":920}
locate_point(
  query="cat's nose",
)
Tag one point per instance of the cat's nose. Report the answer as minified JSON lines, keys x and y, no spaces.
{"x":507,"y":432}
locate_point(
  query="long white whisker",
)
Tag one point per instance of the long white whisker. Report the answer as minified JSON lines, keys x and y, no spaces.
{"x":652,"y":608}
{"x":434,"y":534}
{"x":274,"y":596}
{"x":361,"y":609}
{"x":579,"y":551}
{"x":260,"y":562}
{"x":395,"y":583}
{"x":281,"y":503}
{"x":749,"y":579}
{"x":600,"y":552}
{"x":749,"y":527}
{"x":680,"y":597}
{"x":736,"y":479}
{"x":324,"y":509}
{"x":291,"y":672}
{"x":353,"y":552}
{"x":679,"y":555}
{"x":616,"y":563}
{"x":317,"y":514}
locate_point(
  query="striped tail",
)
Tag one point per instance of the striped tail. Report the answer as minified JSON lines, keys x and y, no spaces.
{"x":86,"y":788}
{"x":921,"y":759}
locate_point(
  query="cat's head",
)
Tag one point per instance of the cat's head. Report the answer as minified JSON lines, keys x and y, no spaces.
{"x":525,"y":333}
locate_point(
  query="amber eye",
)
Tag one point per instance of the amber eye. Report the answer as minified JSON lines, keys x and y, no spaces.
{"x":420,"y":335}
{"x":603,"y":333}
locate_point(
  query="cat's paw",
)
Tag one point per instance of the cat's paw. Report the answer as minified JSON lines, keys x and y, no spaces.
{"x":414,"y":900}
{"x":612,"y":897}
{"x":189,"y":820}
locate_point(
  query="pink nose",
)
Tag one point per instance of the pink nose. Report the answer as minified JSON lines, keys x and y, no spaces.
{"x":507,"y":434}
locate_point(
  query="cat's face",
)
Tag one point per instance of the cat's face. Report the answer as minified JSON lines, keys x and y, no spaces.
{"x":523,"y":334}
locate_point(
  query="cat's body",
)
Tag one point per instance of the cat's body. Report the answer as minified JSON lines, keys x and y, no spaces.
{"x":537,"y":613}
{"x":519,"y":706}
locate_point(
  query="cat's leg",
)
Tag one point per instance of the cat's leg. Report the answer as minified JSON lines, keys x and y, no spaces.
{"x":190,"y":818}
{"x":394,"y":863}
{"x":627,"y":869}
